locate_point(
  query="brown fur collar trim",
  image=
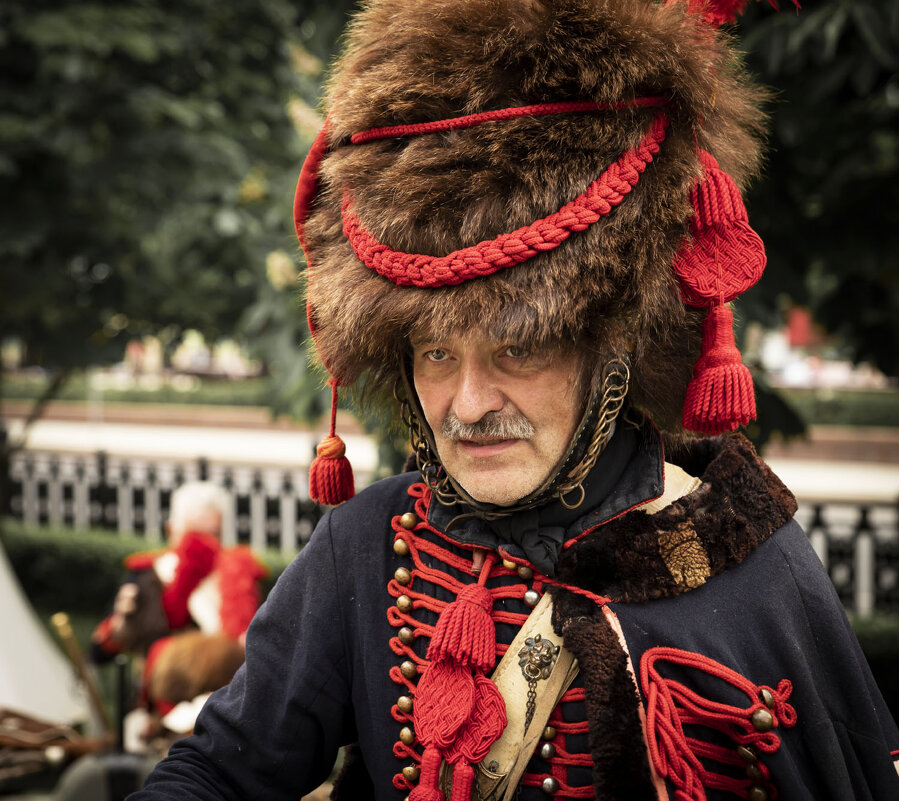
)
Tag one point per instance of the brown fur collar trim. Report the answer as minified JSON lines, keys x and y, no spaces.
{"x":638,"y":556}
{"x":620,"y":765}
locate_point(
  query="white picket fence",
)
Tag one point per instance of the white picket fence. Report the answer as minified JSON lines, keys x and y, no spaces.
{"x":858,"y":541}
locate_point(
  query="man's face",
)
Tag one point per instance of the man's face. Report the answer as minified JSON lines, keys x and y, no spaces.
{"x":502,"y":417}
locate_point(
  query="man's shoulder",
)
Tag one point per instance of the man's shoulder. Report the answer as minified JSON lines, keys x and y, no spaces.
{"x":379,"y":501}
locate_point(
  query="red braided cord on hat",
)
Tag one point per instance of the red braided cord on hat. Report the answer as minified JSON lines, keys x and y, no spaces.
{"x":671,"y":705}
{"x":486,"y":258}
{"x":470,"y":120}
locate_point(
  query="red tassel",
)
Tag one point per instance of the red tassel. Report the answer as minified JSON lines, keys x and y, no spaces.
{"x":724,"y":256}
{"x":428,"y":788}
{"x":720,"y":397}
{"x":444,"y":699}
{"x":465,"y":633}
{"x":459,"y":713}
{"x":331,"y":474}
{"x":483,"y":728}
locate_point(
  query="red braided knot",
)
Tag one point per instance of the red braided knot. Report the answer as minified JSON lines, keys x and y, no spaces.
{"x":724,"y":257}
{"x":489,"y":256}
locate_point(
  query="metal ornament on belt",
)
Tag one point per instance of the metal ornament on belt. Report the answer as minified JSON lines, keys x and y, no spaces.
{"x":537,"y":659}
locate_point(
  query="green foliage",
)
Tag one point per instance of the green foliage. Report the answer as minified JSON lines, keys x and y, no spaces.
{"x":855,"y":407}
{"x":246,"y":392}
{"x":147,"y":163}
{"x":80,"y":571}
{"x":148,"y":155}
{"x":828,"y":208}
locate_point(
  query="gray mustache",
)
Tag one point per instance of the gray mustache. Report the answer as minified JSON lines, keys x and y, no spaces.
{"x":493,"y":425}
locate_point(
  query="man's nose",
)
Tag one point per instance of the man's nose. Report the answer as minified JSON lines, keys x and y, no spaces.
{"x":476,"y":392}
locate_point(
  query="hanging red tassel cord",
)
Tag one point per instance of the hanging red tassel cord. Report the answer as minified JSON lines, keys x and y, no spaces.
{"x":723,"y":258}
{"x":459,"y":712}
{"x":331,"y":474}
{"x":720,"y":397}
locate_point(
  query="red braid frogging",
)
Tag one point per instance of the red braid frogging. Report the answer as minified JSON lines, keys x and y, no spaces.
{"x":671,"y":705}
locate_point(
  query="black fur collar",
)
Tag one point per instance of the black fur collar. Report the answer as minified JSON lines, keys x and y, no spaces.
{"x":639,"y":556}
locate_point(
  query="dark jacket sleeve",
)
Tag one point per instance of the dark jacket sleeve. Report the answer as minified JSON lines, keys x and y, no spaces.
{"x":274,"y":732}
{"x":847,"y":732}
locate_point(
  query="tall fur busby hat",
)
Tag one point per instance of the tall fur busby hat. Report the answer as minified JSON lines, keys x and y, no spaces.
{"x":551,"y":171}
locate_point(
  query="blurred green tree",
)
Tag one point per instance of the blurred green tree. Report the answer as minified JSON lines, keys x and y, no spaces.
{"x":828,"y":206}
{"x":148,"y":151}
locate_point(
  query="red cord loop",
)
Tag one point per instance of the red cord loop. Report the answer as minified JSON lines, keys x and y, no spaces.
{"x":470,"y":120}
{"x":671,"y":706}
{"x":507,"y":250}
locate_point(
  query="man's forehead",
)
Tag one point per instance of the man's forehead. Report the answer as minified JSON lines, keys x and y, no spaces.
{"x":480,"y":337}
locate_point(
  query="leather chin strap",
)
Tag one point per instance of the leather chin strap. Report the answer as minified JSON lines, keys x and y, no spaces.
{"x":546,"y":492}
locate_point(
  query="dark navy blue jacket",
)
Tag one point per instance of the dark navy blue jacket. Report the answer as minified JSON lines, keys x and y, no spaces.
{"x":323,"y":660}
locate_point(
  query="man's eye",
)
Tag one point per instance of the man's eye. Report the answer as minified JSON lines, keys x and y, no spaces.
{"x":516,"y":352}
{"x":436,"y":355}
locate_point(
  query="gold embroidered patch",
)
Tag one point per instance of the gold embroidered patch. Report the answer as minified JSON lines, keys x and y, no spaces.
{"x":684,"y":556}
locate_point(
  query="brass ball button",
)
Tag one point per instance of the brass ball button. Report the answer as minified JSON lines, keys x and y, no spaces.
{"x":766,"y":697}
{"x":532,"y":598}
{"x":550,"y":785}
{"x":754,"y":773}
{"x":409,"y":521}
{"x":525,"y":573}
{"x":758,"y":793}
{"x":509,"y":564}
{"x":402,"y":576}
{"x":407,"y":736}
{"x":762,"y":720}
{"x":406,"y":635}
{"x":411,"y":773}
{"x":401,"y":547}
{"x":408,"y":669}
{"x":549,"y":733}
{"x":404,"y":702}
{"x":404,"y":603}
{"x":746,"y":754}
{"x":547,"y":751}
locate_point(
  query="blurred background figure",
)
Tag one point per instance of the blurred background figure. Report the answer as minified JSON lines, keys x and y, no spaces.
{"x":182,"y":612}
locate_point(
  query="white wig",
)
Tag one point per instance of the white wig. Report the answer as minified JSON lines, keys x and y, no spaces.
{"x":198,"y":506}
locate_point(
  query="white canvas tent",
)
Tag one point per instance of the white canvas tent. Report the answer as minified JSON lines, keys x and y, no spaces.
{"x":35,"y":677}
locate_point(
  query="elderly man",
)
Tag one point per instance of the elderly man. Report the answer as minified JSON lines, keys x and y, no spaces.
{"x":522,"y":223}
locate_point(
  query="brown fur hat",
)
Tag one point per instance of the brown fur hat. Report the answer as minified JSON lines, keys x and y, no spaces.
{"x":609,"y":289}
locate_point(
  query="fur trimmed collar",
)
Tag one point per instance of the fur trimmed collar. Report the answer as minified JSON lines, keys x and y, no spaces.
{"x":638,"y":557}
